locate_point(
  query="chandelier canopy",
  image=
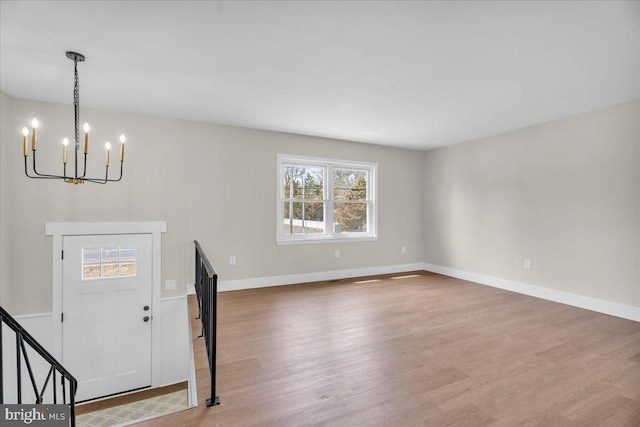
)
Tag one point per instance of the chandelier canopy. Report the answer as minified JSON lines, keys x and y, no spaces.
{"x":76,"y":178}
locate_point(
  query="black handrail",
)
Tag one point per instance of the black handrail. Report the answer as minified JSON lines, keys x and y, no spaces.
{"x":22,"y":337}
{"x":206,"y":285}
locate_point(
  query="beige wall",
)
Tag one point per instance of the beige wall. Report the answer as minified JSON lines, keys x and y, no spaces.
{"x":565,"y":194}
{"x":212,"y":183}
{"x":5,"y":135}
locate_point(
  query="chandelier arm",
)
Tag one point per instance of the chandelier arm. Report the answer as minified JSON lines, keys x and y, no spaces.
{"x":41,"y":175}
{"x":98,"y":180}
{"x":84,"y":169}
{"x":46,"y":177}
{"x":26,"y":169}
{"x":26,"y":172}
{"x":106,"y":178}
{"x":119,"y":178}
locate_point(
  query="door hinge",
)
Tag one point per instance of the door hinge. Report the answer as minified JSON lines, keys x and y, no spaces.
{"x":62,"y":317}
{"x":62,"y":254}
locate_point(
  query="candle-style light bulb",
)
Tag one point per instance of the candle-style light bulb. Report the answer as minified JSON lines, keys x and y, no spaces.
{"x":34,"y":137}
{"x":65,"y":143}
{"x":122,"y":141}
{"x":108,"y":147}
{"x":25,"y":143}
{"x":86,"y":130}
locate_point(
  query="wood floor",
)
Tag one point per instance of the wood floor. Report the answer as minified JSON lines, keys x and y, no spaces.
{"x":421,"y":350}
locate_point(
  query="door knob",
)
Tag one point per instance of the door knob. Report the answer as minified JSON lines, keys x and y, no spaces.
{"x":145,"y":318}
{"x":146,"y":308}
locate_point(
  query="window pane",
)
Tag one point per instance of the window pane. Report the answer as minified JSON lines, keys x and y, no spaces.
{"x":303,"y":182}
{"x":90,"y":263}
{"x":350,"y":217}
{"x":308,"y":218}
{"x":127,"y":261}
{"x":109,"y":262}
{"x":350,"y":184}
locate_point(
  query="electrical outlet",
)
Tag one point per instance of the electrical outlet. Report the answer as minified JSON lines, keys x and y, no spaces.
{"x":403,"y":250}
{"x":337,"y":253}
{"x":232,"y":260}
{"x":527,"y":264}
{"x":169,"y":285}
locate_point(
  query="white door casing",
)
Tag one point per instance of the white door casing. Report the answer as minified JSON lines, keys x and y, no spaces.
{"x":59,"y":230}
{"x":106,"y":332}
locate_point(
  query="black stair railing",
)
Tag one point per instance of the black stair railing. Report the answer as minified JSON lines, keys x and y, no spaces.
{"x":206,"y":285}
{"x":56,"y":370}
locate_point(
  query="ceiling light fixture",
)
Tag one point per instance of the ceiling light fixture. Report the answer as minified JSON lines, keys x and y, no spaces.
{"x":76,"y":178}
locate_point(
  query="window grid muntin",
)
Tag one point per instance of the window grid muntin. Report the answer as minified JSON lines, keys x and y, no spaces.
{"x":119,"y":262}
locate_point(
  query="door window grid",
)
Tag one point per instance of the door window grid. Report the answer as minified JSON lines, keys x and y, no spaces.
{"x":108,"y":262}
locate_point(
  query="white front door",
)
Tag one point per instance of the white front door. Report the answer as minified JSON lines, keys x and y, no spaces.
{"x":106,"y":306}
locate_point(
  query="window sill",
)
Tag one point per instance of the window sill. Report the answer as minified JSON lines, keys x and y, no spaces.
{"x":324,"y":239}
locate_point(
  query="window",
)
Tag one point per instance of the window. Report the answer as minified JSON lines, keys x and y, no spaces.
{"x":325,"y":200}
{"x":102,"y":263}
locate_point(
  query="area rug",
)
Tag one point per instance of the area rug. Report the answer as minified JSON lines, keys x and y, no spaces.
{"x":134,"y":412}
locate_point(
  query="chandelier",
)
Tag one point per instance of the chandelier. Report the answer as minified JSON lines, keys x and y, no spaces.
{"x":76,"y":178}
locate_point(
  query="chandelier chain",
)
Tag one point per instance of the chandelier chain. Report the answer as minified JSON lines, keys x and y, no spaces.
{"x":76,"y":103}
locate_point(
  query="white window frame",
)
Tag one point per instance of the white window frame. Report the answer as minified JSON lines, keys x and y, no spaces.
{"x":329,"y":235}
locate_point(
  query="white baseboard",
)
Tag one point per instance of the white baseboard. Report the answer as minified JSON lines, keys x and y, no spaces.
{"x":593,"y":304}
{"x":292,"y":279}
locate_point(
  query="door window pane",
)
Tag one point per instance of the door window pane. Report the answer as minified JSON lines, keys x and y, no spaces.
{"x":109,"y":259}
{"x":127,"y":261}
{"x":90,"y":263}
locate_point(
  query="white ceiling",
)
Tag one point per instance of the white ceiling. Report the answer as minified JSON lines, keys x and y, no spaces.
{"x":408,"y":74}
